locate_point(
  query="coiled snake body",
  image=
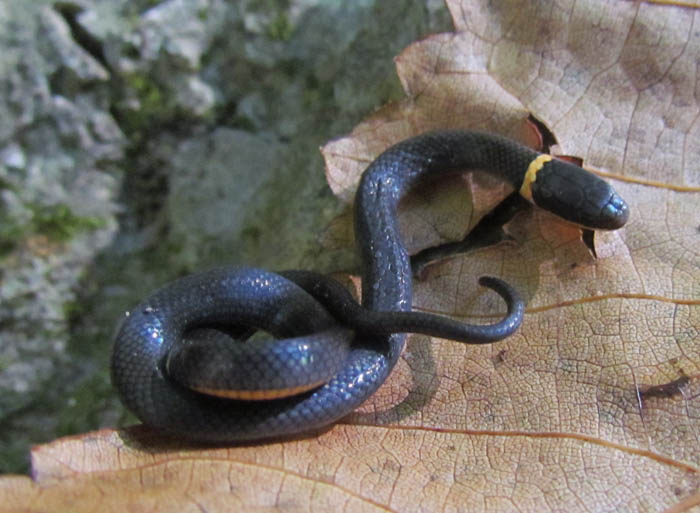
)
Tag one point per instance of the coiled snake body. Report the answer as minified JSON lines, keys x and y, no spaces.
{"x":176,"y":371}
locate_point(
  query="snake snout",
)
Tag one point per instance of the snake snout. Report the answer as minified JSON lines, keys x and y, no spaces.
{"x":614,"y":214}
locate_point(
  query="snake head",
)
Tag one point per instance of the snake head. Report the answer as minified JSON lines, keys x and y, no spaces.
{"x":576,"y":195}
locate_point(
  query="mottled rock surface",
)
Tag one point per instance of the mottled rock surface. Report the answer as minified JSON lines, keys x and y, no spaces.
{"x":140,"y":140}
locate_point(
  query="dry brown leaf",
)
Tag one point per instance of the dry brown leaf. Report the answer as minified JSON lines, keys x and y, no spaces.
{"x":349,"y":468}
{"x":594,"y":405}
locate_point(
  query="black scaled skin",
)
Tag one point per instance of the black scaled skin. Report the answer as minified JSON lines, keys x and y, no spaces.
{"x":308,"y":306}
